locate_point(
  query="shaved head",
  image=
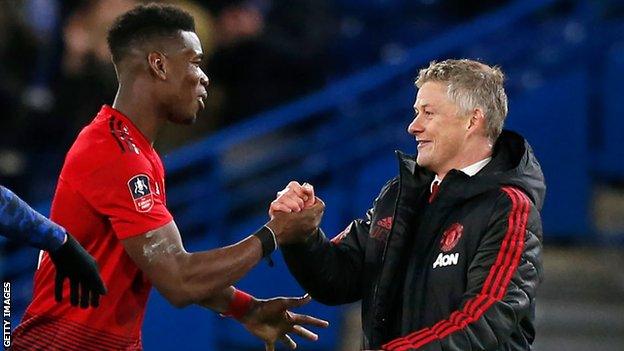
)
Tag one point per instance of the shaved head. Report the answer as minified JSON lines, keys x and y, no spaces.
{"x":147,"y":28}
{"x":157,"y":56}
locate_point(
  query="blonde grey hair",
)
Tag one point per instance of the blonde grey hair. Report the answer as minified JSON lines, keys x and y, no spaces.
{"x":471,"y":85}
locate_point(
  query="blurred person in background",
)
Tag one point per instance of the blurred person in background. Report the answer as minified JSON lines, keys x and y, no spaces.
{"x":19,"y":49}
{"x":19,"y":222}
{"x":266,"y":53}
{"x":86,"y":78}
{"x":449,"y":257}
{"x":111,"y":195}
{"x":52,"y":68}
{"x":56,"y":69}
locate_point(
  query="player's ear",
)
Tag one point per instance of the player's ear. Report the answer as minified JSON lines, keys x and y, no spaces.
{"x":157,"y":62}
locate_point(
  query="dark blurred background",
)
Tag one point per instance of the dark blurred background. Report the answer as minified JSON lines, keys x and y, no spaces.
{"x":321,"y":91}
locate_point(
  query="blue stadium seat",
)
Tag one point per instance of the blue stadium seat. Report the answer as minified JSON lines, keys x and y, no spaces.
{"x":560,"y":140}
{"x":611,"y":153}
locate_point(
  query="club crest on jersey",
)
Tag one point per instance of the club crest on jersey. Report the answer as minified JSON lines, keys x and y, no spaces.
{"x":382,"y":228}
{"x":141,"y":194}
{"x":451,"y":236}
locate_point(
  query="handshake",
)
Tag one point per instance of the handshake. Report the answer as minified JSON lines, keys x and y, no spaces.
{"x":295,"y":214}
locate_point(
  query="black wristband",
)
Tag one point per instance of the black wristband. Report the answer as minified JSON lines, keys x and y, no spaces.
{"x":267,"y":239}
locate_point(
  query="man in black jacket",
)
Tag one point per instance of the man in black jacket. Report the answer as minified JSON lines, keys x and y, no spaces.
{"x":449,"y":256}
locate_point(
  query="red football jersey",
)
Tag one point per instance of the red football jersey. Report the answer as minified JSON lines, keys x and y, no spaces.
{"x":111,"y":187}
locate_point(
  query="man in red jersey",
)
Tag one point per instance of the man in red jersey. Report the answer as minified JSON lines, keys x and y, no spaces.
{"x":111,"y":196}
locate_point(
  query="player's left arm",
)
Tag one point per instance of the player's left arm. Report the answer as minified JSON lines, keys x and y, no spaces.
{"x":502,"y":279}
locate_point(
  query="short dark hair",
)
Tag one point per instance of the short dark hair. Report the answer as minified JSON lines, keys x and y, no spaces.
{"x":146,"y":22}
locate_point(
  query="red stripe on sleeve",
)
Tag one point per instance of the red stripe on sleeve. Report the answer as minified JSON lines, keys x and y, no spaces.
{"x":495,"y":284}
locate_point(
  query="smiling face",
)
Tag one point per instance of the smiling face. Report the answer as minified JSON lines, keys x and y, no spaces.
{"x":186,"y":83}
{"x":439,"y":130}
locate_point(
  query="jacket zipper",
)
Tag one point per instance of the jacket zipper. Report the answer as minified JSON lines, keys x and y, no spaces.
{"x":383,"y":255}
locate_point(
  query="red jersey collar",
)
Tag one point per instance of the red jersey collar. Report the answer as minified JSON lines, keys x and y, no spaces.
{"x":107,"y":111}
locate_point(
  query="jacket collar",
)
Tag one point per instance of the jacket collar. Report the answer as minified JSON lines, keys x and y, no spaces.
{"x":513,"y":163}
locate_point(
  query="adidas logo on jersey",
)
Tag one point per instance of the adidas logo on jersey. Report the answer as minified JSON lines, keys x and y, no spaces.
{"x":446,"y":260}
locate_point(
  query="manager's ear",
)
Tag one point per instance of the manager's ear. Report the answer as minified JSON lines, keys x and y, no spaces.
{"x":476,"y":119}
{"x":157,"y":62}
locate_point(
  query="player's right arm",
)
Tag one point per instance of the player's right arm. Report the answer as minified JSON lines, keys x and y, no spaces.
{"x":206,"y":278}
{"x":185,"y":278}
{"x":128,"y":192}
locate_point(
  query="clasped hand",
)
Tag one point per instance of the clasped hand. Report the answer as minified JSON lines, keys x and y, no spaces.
{"x":296,"y":213}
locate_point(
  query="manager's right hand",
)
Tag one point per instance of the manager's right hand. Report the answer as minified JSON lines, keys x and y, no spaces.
{"x":294,"y":198}
{"x":72,"y":261}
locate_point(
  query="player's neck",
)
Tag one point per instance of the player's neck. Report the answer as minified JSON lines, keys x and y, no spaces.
{"x":144,"y":115}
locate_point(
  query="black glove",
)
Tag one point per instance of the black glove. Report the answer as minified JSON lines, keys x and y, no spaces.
{"x":74,"y":262}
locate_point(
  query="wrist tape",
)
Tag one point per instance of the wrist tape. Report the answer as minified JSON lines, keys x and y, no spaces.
{"x":268,"y":240}
{"x":239,"y":306}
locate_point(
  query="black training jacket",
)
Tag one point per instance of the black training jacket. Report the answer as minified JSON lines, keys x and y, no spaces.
{"x":459,"y":273}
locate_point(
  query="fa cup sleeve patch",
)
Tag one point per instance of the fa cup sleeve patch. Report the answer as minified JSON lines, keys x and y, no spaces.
{"x":142,"y":196}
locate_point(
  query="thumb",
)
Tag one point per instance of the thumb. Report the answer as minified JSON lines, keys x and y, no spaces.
{"x":294,"y":302}
{"x":309,"y":190}
{"x":319,"y":202}
{"x":101,"y":287}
